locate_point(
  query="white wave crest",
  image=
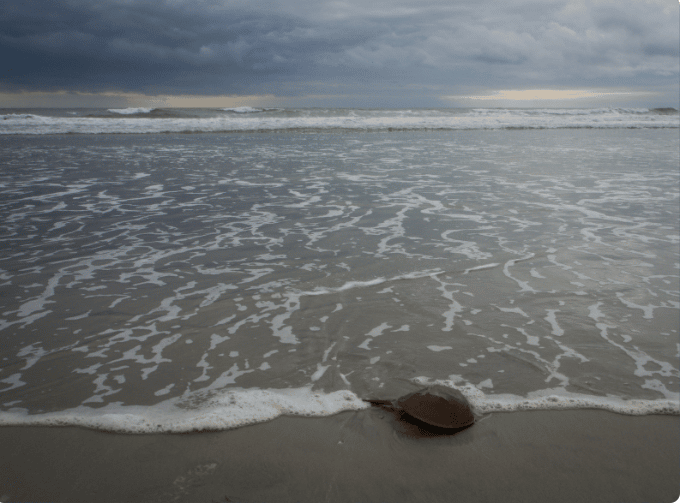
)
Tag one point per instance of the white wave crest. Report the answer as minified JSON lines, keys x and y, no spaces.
{"x":130,"y":111}
{"x":242,"y":110}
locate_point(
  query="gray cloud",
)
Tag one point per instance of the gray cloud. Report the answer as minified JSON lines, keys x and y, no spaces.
{"x":300,"y":47}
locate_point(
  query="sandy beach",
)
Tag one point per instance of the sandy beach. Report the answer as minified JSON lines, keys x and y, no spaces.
{"x":365,"y":456}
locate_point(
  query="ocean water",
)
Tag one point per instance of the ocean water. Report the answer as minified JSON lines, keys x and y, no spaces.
{"x":284,"y":261}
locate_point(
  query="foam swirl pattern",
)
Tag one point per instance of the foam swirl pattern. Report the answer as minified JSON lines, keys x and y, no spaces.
{"x":182,"y":282}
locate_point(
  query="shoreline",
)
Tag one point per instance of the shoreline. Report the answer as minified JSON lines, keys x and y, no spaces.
{"x":359,"y":456}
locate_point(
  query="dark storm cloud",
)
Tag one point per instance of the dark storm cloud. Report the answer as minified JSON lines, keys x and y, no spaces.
{"x":137,"y":46}
{"x":298,"y":47}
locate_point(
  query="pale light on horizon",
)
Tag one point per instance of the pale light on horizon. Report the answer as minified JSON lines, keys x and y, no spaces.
{"x":510,"y":98}
{"x":551,"y":94}
{"x":112,"y":99}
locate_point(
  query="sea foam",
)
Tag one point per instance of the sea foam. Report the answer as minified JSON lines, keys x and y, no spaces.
{"x":196,"y":411}
{"x":226,"y":409}
{"x":557,"y":398}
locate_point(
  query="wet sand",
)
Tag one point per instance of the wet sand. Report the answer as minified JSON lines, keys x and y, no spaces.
{"x":536,"y":456}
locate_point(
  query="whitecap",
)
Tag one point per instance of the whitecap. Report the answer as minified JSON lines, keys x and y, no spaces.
{"x":130,"y":111}
{"x":242,"y":110}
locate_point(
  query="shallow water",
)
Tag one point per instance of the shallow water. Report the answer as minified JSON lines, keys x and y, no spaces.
{"x":183,"y":279}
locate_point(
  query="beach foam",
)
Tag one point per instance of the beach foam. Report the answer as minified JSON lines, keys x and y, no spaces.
{"x":214,"y":410}
{"x":550,"y":399}
{"x":198,"y":411}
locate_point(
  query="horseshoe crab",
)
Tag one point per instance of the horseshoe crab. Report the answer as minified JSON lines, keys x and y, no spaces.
{"x":436,"y":409}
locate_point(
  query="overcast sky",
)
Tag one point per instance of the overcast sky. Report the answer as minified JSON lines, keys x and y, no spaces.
{"x":393,"y":53}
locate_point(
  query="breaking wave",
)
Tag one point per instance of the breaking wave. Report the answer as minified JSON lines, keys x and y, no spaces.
{"x":250,"y":119}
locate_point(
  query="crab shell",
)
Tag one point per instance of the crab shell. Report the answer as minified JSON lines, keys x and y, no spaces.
{"x":438,"y":406}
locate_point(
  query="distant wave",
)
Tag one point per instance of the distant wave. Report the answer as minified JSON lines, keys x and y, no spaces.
{"x":665,"y":111}
{"x":18,"y":116}
{"x":242,"y":110}
{"x":146,"y":113}
{"x":574,"y":111}
{"x":130,"y":111}
{"x":250,"y":119}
